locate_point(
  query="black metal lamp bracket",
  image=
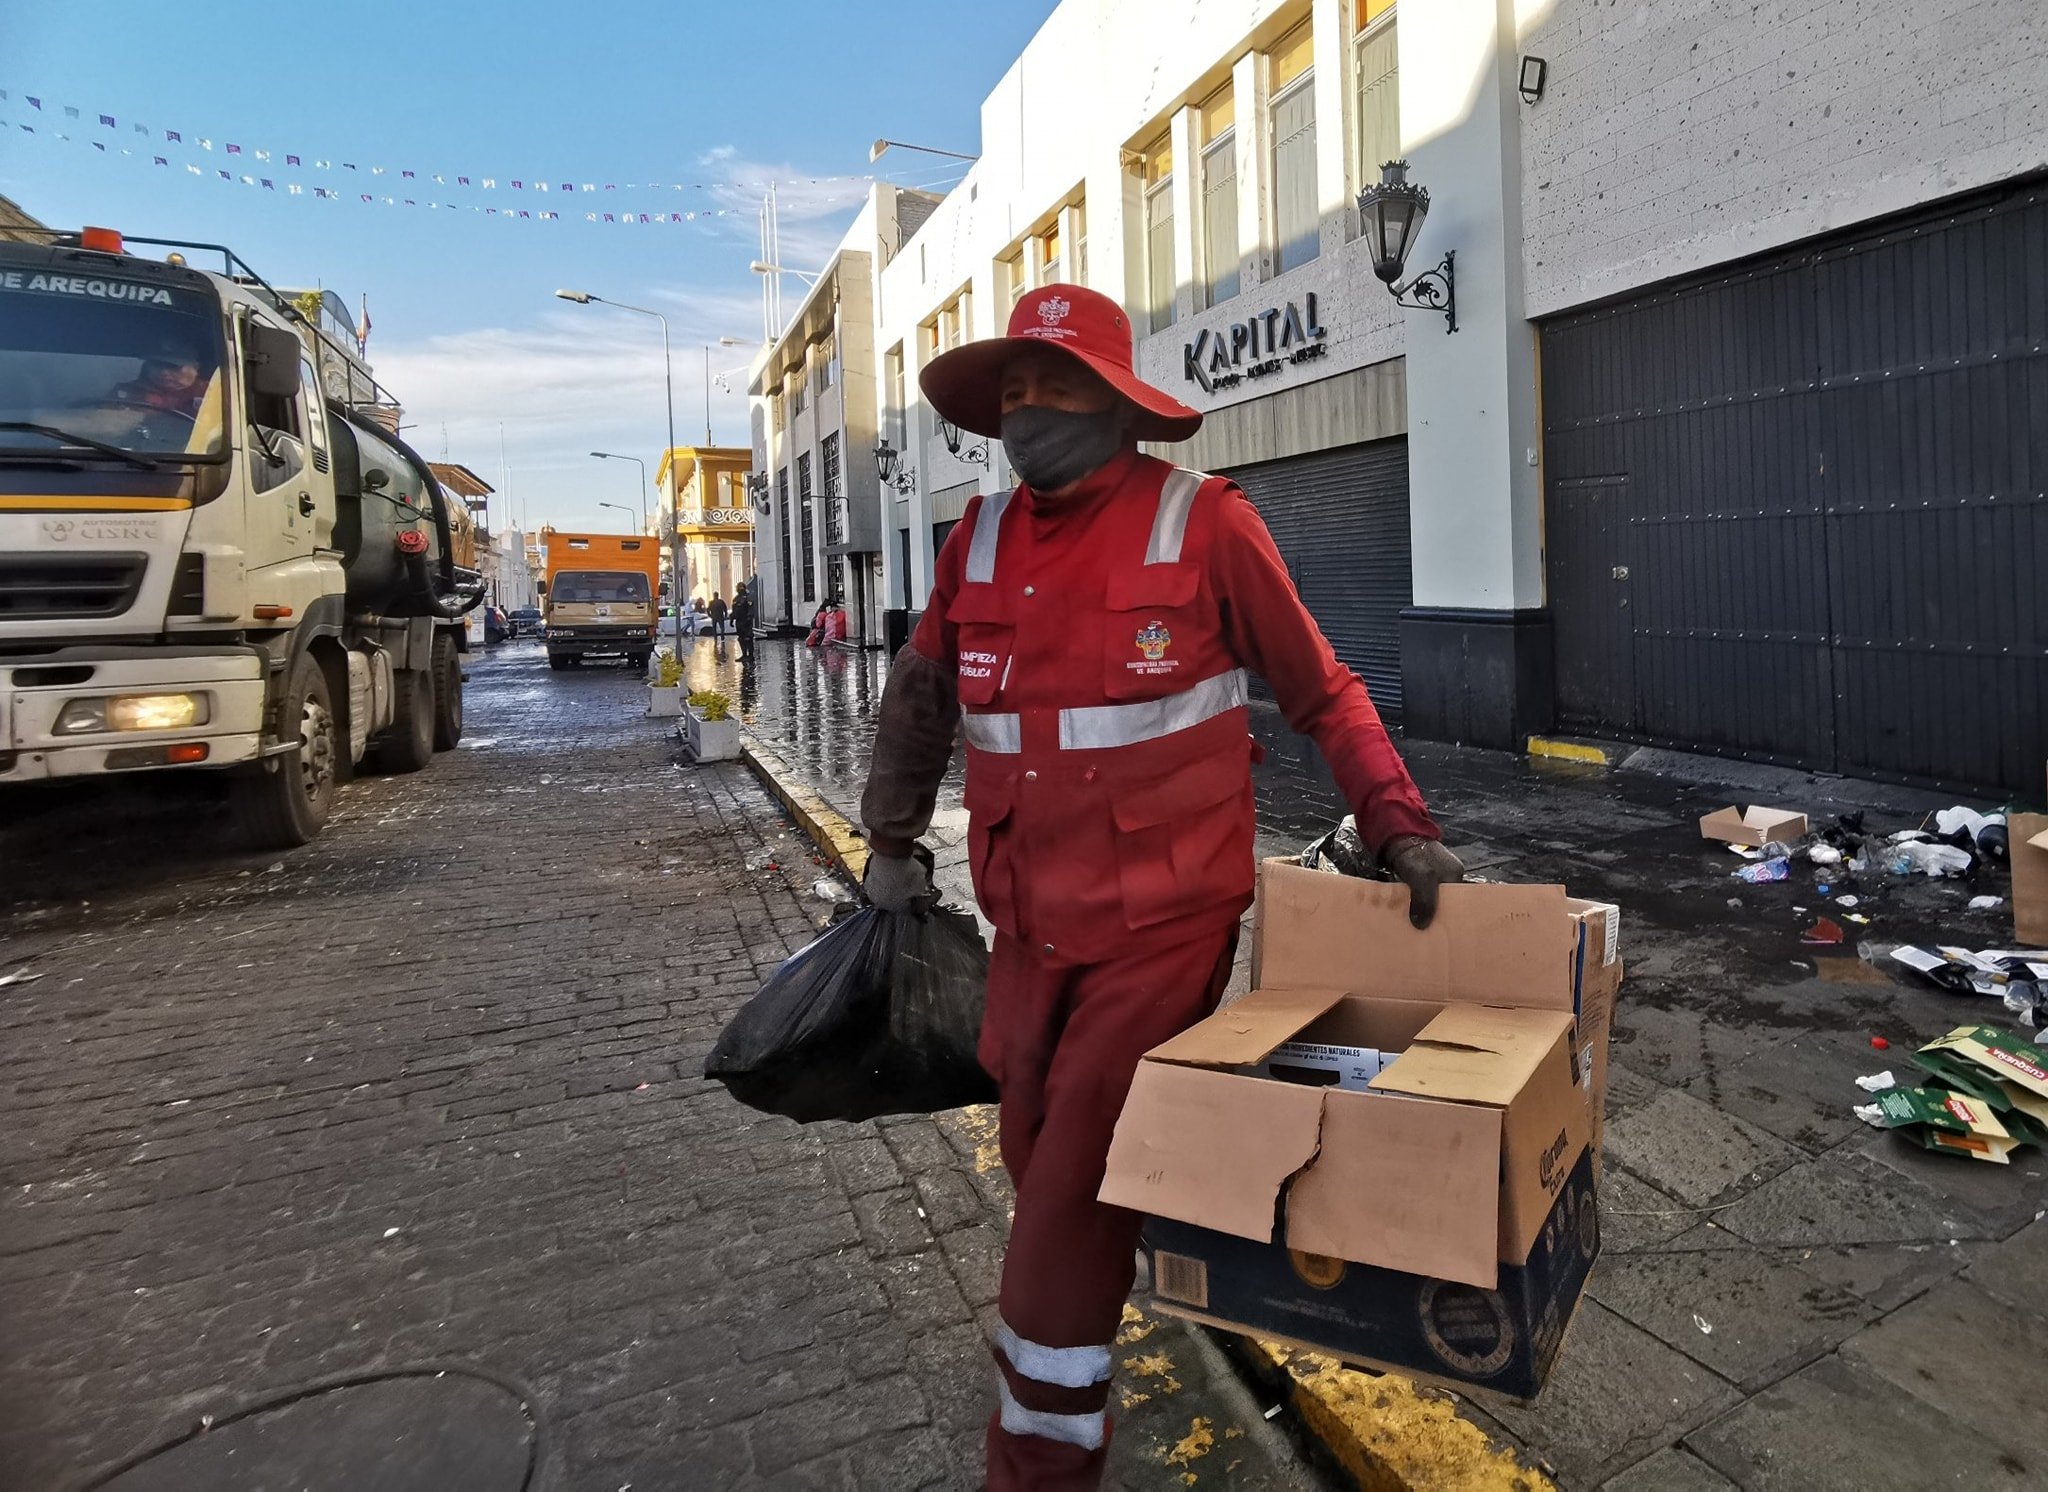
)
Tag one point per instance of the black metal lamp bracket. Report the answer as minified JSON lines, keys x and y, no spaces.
{"x":1433,"y":290}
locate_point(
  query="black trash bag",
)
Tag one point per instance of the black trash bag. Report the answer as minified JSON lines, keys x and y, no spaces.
{"x":879,"y":1016}
{"x":1343,"y":852}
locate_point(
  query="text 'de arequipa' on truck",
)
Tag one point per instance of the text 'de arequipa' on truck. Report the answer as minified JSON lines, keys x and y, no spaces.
{"x":215,"y":553}
{"x":599,"y":597}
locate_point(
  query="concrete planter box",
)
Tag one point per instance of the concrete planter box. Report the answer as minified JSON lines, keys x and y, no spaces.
{"x":711,"y":740}
{"x":667,"y":701}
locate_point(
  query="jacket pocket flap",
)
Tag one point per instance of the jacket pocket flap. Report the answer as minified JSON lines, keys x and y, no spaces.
{"x":1153,"y":585}
{"x":980,"y":603}
{"x":1189,"y":790}
{"x":988,"y":796}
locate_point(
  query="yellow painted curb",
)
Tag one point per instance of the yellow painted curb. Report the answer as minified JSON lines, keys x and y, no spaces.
{"x":1390,"y":1434}
{"x":1570,"y":751}
{"x":833,"y":833}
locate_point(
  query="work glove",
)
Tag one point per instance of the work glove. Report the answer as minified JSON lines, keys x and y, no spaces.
{"x":1421,"y":865}
{"x":900,"y":883}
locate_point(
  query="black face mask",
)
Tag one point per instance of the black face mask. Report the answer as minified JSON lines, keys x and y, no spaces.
{"x":1051,"y":448}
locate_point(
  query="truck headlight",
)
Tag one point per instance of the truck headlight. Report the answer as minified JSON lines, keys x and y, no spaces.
{"x":82,"y":717}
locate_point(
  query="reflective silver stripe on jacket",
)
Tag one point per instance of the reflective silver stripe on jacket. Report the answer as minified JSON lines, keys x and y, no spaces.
{"x":1170,"y":522}
{"x":1002,"y":733}
{"x":1097,"y":727}
{"x":988,"y":528}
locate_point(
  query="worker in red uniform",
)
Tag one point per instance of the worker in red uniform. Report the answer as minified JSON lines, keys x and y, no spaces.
{"x":1090,"y":633}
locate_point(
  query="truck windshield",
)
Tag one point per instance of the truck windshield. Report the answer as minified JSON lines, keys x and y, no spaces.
{"x":621,"y":586}
{"x":99,"y":369}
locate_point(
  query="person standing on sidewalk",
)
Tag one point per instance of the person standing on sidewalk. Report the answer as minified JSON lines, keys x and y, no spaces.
{"x":1091,"y":632}
{"x":743,"y":616}
{"x":717,"y":614}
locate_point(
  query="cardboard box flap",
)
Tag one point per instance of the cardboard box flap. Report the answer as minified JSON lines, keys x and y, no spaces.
{"x":1405,"y":1185}
{"x":1210,"y":1148}
{"x":1488,"y":942}
{"x":1754,"y":825}
{"x":1475,"y":1054}
{"x":1244,"y":1031}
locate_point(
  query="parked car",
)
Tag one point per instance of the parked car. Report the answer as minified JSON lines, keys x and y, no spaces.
{"x":525,"y":621}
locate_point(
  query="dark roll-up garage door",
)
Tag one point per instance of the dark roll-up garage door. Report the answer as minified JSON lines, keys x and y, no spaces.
{"x":1797,"y":509}
{"x":1340,"y":519}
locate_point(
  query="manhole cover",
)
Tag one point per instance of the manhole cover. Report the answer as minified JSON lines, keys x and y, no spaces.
{"x":429,"y":1432}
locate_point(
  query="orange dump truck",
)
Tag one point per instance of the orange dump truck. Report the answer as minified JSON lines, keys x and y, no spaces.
{"x":598,"y":600}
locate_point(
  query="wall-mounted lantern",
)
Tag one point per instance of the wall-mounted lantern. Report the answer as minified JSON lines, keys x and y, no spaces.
{"x":974,"y":455}
{"x":1391,"y":213}
{"x":889,"y":467}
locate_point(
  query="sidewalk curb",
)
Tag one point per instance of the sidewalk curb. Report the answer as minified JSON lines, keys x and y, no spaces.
{"x":1581,"y":752}
{"x":835,"y":836}
{"x":1384,"y":1433}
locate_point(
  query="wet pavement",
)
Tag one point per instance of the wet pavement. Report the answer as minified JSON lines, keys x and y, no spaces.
{"x":1786,"y":1297}
{"x":427,"y":1093}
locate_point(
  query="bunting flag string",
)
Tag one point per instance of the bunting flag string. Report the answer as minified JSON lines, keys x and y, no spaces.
{"x":51,"y":114}
{"x":285,"y":187}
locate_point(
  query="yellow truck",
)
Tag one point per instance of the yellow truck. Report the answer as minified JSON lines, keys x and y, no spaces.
{"x":598,"y":598}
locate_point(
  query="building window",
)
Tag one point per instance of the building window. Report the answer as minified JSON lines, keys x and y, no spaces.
{"x":1158,"y":174}
{"x":895,"y":418}
{"x":1049,"y":254}
{"x":807,"y":519}
{"x":1012,"y":274}
{"x":799,"y":395}
{"x":1378,"y":72}
{"x":1080,"y":243}
{"x":825,"y":364}
{"x":1219,"y":198}
{"x":828,"y":464}
{"x":1296,"y":217}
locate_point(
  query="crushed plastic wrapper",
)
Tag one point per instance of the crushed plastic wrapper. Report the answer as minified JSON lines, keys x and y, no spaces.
{"x":1776,"y":869}
{"x":1342,"y":852}
{"x":880,"y":1015}
{"x":1877,"y":1082}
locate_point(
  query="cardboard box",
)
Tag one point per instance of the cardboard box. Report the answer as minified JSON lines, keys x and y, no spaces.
{"x":2027,"y":835}
{"x":1452,"y":1161}
{"x":1754,"y":825}
{"x":1322,"y":1065}
{"x":1503,"y":1340}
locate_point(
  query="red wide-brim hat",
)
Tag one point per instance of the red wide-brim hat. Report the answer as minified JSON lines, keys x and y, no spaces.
{"x":966,"y":384}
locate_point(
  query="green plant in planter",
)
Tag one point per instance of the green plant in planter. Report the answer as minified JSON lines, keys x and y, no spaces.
{"x":711,"y":705}
{"x":668,"y":669}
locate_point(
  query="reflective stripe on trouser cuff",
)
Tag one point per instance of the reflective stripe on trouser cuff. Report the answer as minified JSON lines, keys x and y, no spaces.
{"x":1069,"y":1367}
{"x":1084,"y":1430}
{"x":1100,"y":726}
{"x":1000,"y":733}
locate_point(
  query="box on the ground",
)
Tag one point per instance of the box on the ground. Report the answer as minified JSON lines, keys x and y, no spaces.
{"x":1753,"y":826}
{"x":1452,"y":1173}
{"x":2027,"y":841}
{"x":1503,"y":1340}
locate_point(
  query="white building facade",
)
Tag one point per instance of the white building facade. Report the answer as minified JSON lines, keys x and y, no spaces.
{"x":1750,"y":314}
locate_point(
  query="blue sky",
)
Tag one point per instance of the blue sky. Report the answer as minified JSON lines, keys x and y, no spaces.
{"x":466,"y":328}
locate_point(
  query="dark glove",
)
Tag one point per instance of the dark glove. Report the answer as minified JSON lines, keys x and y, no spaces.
{"x":1422,"y":865}
{"x":899,"y":883}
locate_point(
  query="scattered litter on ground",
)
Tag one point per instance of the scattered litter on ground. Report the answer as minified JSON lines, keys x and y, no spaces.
{"x":830,"y":890}
{"x":1848,"y":901}
{"x":1734,"y":901}
{"x":1869,"y":1113}
{"x":1825,"y":931}
{"x":1823,"y":854}
{"x":19,"y":976}
{"x":1879,"y":1043}
{"x":1765,"y":870}
{"x":391,"y":1232}
{"x":1985,"y":903}
{"x":1987,"y":1095}
{"x":1702,"y":1323}
{"x":1925,"y":857}
{"x":1877,"y":1082}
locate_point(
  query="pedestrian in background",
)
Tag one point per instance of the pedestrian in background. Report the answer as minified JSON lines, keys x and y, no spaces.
{"x":743,"y":616}
{"x":1091,"y":631}
{"x":717,"y":614}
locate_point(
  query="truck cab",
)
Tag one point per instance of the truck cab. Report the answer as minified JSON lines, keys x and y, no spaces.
{"x":598,"y":600}
{"x":205,"y":564}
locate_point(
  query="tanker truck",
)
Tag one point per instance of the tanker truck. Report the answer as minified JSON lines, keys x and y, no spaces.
{"x":208,"y":563}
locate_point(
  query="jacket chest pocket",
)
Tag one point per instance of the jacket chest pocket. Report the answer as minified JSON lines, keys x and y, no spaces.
{"x":1151,"y":617}
{"x":987,"y":640}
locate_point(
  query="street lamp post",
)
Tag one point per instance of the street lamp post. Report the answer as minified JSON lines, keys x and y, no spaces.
{"x":721,"y":342}
{"x":875,"y":151}
{"x":621,"y":507}
{"x":615,"y":456}
{"x":675,"y":537}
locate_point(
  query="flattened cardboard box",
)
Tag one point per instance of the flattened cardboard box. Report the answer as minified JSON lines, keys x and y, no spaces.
{"x":1451,"y":1164}
{"x":1503,"y":1340}
{"x":1753,"y":826}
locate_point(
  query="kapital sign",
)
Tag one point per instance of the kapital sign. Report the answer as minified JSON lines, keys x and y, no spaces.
{"x":1256,"y":347}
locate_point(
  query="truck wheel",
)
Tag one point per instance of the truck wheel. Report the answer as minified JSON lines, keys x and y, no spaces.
{"x":557,"y":662}
{"x":407,"y":744}
{"x":447,"y":676}
{"x":637,"y":661}
{"x":283,"y":802}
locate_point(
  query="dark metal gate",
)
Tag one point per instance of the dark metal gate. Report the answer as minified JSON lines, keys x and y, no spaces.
{"x":1340,"y":519}
{"x":1796,"y":509}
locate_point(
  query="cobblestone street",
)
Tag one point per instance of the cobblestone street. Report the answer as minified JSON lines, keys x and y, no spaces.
{"x":426,"y":1091}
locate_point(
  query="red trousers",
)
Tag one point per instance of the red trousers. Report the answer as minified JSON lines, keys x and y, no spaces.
{"x":1062,"y":1041}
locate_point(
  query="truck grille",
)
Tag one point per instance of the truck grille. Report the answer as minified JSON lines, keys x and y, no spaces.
{"x":34,"y":587}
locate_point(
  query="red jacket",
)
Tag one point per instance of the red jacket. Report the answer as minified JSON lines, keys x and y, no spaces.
{"x":1098,"y":645}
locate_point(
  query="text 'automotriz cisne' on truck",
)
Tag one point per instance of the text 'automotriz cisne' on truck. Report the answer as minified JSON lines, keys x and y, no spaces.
{"x":216,"y":555}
